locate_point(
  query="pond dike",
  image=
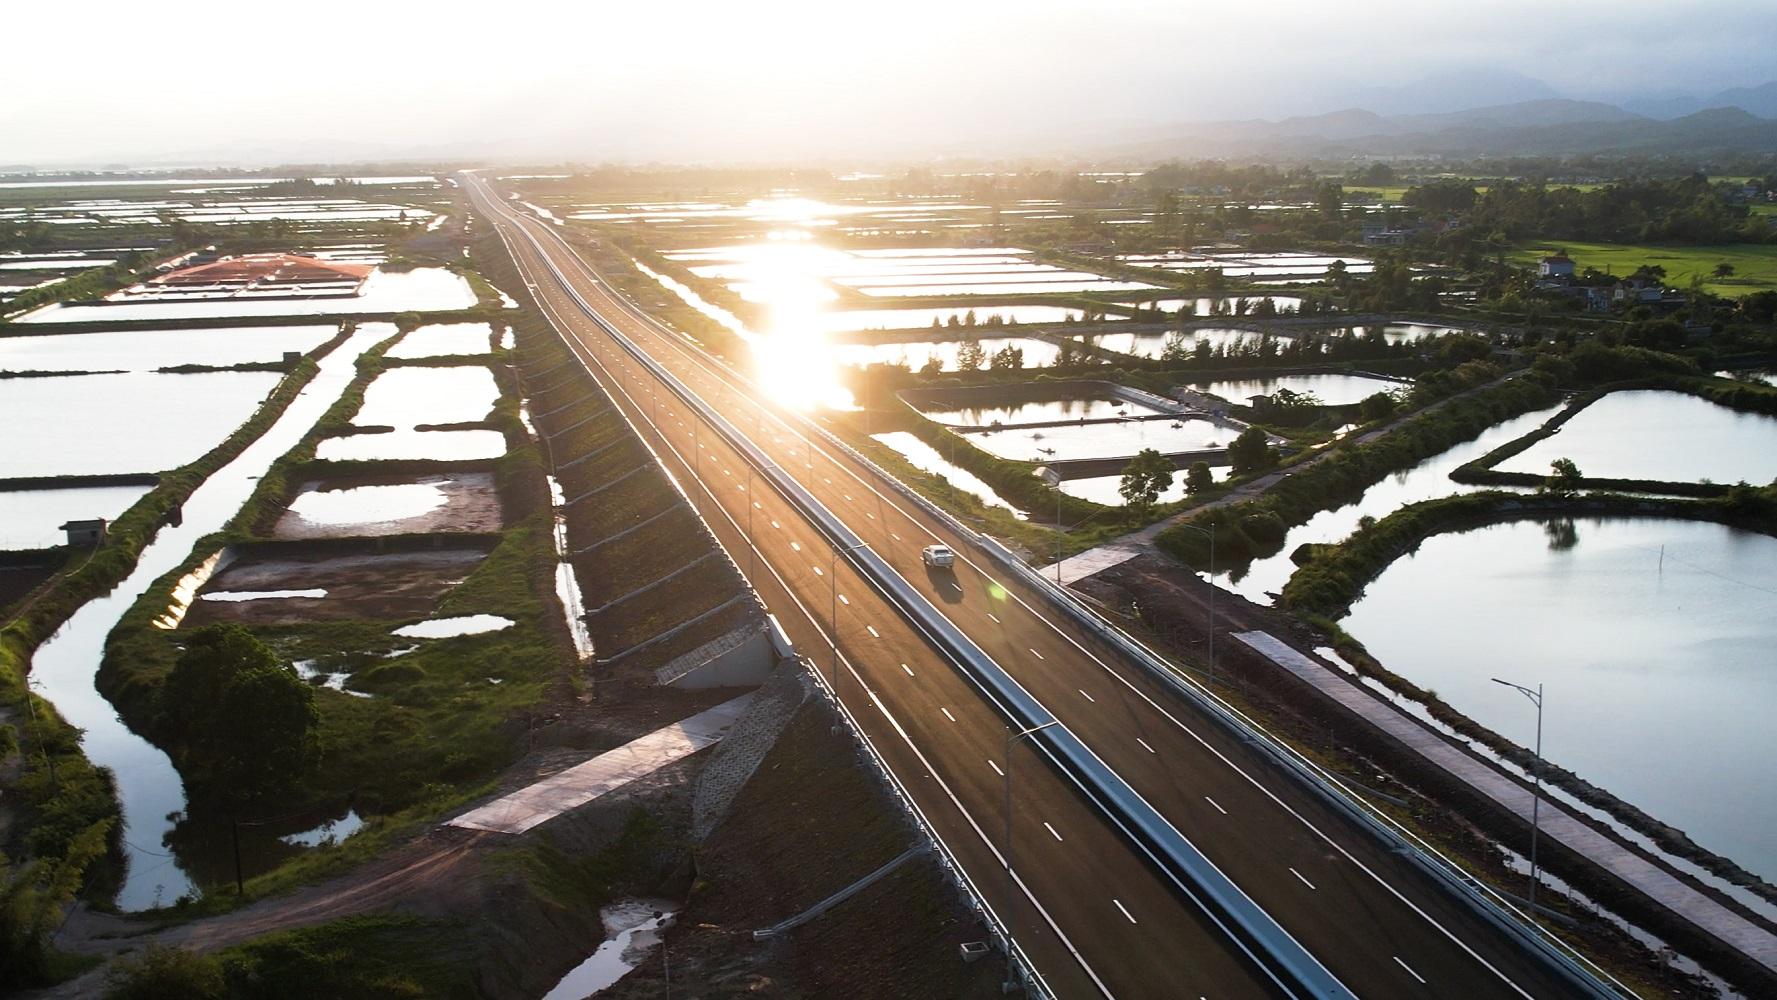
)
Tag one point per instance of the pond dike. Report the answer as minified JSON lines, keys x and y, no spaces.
{"x":661,"y":594}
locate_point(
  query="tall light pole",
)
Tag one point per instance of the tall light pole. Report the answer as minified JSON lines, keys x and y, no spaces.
{"x":1210,"y":533}
{"x":1006,"y":851}
{"x":1536,"y":774}
{"x":1052,"y":479}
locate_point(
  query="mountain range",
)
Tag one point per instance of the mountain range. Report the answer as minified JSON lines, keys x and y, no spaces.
{"x":1743,"y":120}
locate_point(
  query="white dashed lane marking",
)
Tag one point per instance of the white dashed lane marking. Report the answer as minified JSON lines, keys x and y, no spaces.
{"x":1218,"y":805}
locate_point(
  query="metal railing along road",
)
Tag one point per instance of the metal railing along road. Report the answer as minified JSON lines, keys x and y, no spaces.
{"x":1254,"y":931}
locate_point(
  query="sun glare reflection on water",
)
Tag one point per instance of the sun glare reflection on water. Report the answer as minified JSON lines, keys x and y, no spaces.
{"x":792,"y":360}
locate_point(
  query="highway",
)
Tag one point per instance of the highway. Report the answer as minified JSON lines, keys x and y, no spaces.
{"x":1087,"y":905}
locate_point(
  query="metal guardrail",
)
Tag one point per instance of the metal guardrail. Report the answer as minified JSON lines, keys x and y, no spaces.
{"x":1493,"y":906}
{"x":1247,"y":924}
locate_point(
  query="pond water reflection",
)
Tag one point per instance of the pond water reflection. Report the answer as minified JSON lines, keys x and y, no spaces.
{"x":1653,"y":637}
{"x":149,"y":350}
{"x":1656,"y":434}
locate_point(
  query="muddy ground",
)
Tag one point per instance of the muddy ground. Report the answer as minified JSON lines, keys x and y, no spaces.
{"x":390,"y":586}
{"x":469,"y":502}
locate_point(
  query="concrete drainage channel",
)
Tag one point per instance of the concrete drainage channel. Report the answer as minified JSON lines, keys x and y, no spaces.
{"x":1247,"y":924}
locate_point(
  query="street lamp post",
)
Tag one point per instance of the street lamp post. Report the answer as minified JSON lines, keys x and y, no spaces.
{"x":1210,"y":532}
{"x":1052,"y":479}
{"x":1536,"y":698}
{"x":1011,"y":884}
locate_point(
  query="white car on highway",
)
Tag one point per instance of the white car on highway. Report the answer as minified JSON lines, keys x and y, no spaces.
{"x":939,"y":556}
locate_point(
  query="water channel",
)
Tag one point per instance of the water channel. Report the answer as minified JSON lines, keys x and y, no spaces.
{"x":149,"y":789}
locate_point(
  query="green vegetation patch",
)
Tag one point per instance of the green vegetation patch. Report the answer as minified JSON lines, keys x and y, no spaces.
{"x":1754,"y":264}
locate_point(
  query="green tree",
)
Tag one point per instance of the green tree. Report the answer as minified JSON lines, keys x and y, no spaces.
{"x":1724,"y":270}
{"x":1198,"y":477}
{"x":1251,"y":451}
{"x":32,"y":896}
{"x":1564,"y":478}
{"x":1009,"y":358}
{"x":1379,"y":406}
{"x":1331,"y":200}
{"x":970,"y":357}
{"x":1147,"y":475}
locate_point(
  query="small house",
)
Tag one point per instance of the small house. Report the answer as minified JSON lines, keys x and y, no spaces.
{"x":1557,"y":265}
{"x":86,"y":533}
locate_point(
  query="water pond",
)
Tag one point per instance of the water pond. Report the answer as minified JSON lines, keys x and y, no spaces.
{"x":1037,"y":353}
{"x":445,"y":340}
{"x":1041,"y":411}
{"x":1656,"y":434}
{"x":1652,"y":637}
{"x":1073,"y":441}
{"x":31,"y":519}
{"x":67,"y":425}
{"x":444,"y":628}
{"x":405,"y":398}
{"x":1332,"y":388}
{"x":151,"y":350}
{"x":1103,"y":489}
{"x":426,"y":289}
{"x":846,"y":320}
{"x":410,"y":444}
{"x":1426,"y":481}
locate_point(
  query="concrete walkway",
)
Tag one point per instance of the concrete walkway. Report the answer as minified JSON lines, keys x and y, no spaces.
{"x":541,"y":802}
{"x":1556,"y":823}
{"x":1094,"y":560}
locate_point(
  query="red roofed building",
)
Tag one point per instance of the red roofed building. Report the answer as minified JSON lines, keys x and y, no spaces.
{"x":267,"y":271}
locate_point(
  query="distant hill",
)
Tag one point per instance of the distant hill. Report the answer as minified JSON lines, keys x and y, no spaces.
{"x":1549,"y":126}
{"x":1760,"y":101}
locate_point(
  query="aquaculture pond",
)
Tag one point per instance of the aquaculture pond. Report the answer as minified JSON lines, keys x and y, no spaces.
{"x":410,"y":444}
{"x":1331,"y":388}
{"x":151,"y":350}
{"x":1076,"y":441}
{"x":68,"y":425}
{"x":1653,"y":640}
{"x":445,"y":340}
{"x":847,"y":320}
{"x":63,"y":668}
{"x":426,"y":289}
{"x":1429,"y":479}
{"x":1103,"y":489}
{"x":1040,"y":411}
{"x":1655,"y":434}
{"x":31,"y":519}
{"x":405,"y":398}
{"x":915,"y":355}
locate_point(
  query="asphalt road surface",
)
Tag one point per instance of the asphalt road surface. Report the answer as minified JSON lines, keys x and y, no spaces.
{"x":1091,"y":911}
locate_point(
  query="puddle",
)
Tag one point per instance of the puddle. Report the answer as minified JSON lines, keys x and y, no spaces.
{"x":368,"y":504}
{"x":445,"y":628}
{"x":336,"y":681}
{"x":237,"y":596}
{"x":634,"y":931}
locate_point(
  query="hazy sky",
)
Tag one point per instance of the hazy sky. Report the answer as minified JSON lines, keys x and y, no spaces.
{"x":200,"y":81}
